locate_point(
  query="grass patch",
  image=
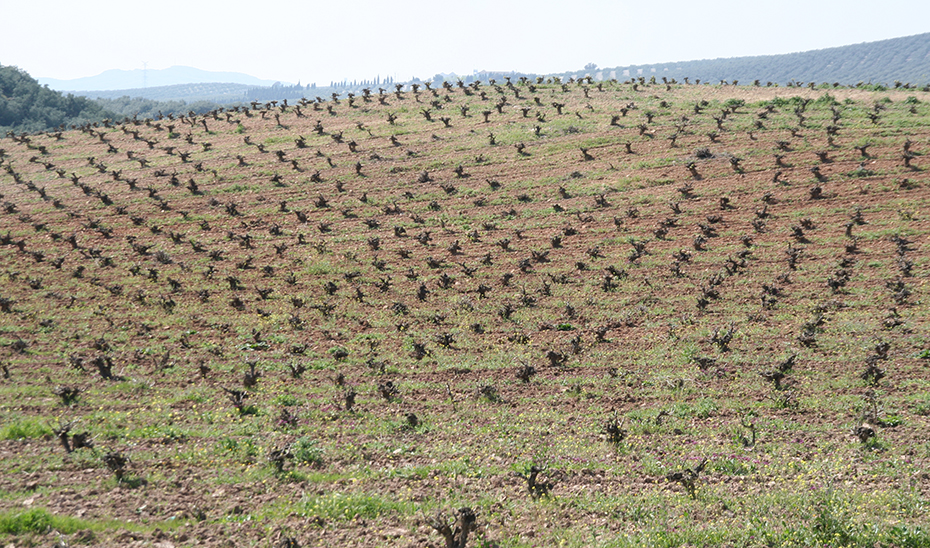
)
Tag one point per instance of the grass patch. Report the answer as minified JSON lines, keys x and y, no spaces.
{"x":25,"y":428}
{"x":352,"y":506}
{"x":307,"y":451}
{"x":39,"y":521}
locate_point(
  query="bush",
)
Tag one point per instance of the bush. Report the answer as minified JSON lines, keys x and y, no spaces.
{"x":285,"y":400}
{"x":734,"y":103}
{"x":24,"y":429}
{"x":826,"y":100}
{"x":37,"y":521}
{"x":349,"y":506}
{"x":244,"y":450}
{"x":307,"y":451}
{"x":703,"y":153}
{"x":27,"y":106}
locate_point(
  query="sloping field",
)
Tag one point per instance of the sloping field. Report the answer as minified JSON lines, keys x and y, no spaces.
{"x":903,"y":61}
{"x":217,"y":92}
{"x":594,"y":314}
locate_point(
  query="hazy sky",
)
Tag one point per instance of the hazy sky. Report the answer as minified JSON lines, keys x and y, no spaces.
{"x":320,"y":41}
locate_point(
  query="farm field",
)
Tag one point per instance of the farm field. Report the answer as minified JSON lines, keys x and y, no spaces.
{"x":511,"y":314}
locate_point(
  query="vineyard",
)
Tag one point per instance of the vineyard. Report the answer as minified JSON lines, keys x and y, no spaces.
{"x":505,"y":313}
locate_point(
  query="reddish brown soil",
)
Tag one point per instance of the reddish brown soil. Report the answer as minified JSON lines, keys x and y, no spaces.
{"x":649,"y":321}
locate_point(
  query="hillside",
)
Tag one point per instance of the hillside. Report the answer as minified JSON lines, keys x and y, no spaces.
{"x":228,"y":94}
{"x":905,"y":60}
{"x":27,"y":106}
{"x":554,"y":314}
{"x":221,"y":93}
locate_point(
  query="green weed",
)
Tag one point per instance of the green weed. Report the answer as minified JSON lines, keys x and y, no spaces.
{"x":24,"y":428}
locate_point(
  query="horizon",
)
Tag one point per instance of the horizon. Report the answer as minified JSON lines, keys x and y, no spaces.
{"x":390,"y":40}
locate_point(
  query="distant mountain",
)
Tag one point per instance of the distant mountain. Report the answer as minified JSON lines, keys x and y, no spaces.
{"x":132,"y":79}
{"x":905,"y":60}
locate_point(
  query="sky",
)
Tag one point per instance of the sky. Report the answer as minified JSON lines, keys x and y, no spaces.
{"x":313,"y":41}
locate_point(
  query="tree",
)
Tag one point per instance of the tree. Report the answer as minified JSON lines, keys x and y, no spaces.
{"x":25,"y":106}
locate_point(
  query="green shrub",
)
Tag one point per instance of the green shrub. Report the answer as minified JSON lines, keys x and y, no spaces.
{"x":860,"y":172}
{"x":285,"y":400}
{"x":826,"y":100}
{"x":922,"y":408}
{"x":892,"y":420}
{"x":348,"y":506}
{"x":307,"y":451}
{"x":734,"y":103}
{"x":244,"y":450}
{"x":24,"y":429}
{"x":37,"y":521}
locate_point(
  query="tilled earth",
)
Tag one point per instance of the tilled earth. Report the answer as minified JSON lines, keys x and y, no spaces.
{"x":651,"y":252}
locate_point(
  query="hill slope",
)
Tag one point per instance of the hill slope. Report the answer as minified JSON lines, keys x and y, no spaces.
{"x":27,"y":106}
{"x":221,"y":93}
{"x":905,"y":59}
{"x":592,"y":314}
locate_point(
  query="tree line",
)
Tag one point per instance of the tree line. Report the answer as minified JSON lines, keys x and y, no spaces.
{"x":26,"y":106}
